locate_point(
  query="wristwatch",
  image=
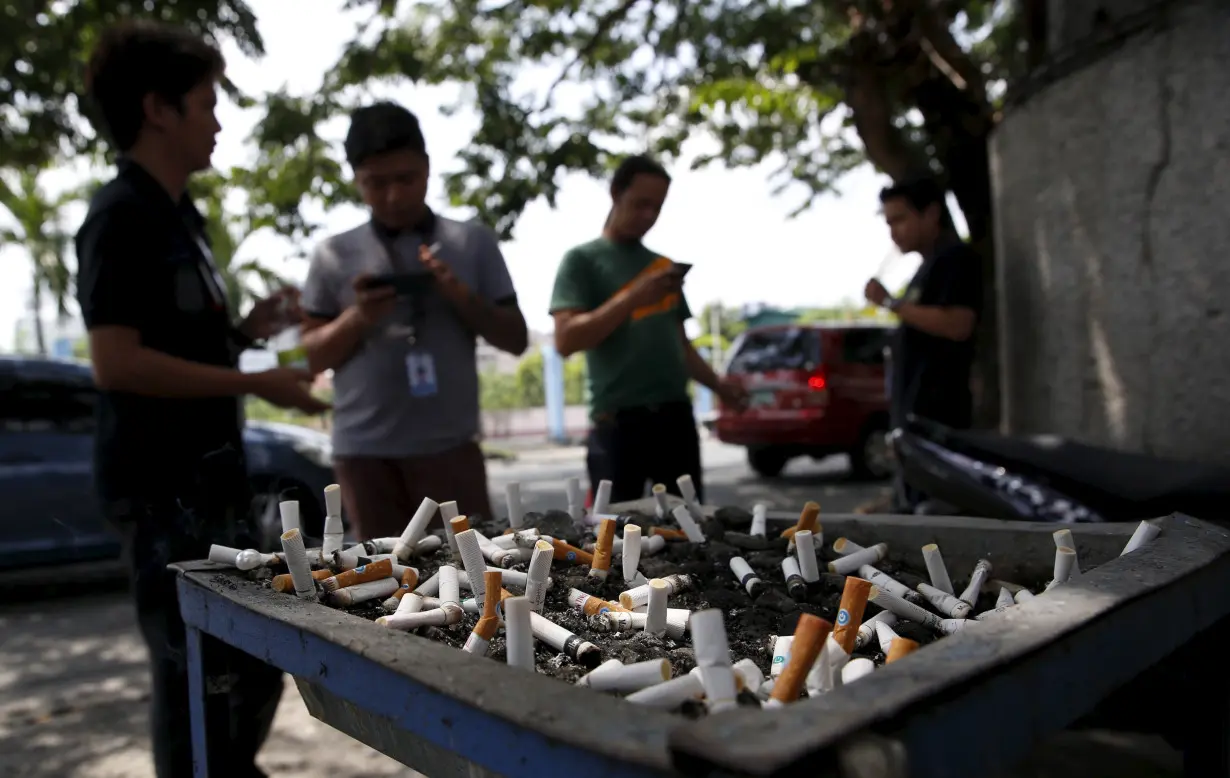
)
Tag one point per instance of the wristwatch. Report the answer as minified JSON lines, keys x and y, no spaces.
{"x":893,"y":303}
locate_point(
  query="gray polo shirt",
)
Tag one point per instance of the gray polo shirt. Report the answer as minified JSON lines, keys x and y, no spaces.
{"x":375,"y":414}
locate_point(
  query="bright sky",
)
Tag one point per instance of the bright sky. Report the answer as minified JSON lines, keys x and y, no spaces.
{"x":725,"y":222}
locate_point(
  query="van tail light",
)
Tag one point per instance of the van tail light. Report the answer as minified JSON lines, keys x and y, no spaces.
{"x":818,"y":380}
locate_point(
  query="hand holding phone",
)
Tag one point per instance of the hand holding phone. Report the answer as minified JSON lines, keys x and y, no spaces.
{"x":402,"y":284}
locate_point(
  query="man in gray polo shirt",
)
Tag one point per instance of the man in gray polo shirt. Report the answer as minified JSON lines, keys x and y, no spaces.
{"x":406,"y":419}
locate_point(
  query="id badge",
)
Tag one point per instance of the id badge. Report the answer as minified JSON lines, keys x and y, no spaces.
{"x":421,"y":370}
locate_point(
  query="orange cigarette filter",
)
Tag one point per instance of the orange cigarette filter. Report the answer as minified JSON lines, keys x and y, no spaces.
{"x":492,"y":583}
{"x":809,"y":637}
{"x":807,"y":520}
{"x":900,"y":647}
{"x":668,"y":533}
{"x":486,"y":627}
{"x":372,"y":571}
{"x":459,"y":524}
{"x":603,"y":544}
{"x":850,"y":612}
{"x":283,"y":582}
{"x":595,"y":605}
{"x":409,"y":580}
{"x":568,"y":553}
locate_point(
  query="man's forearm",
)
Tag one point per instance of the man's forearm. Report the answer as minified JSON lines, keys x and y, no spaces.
{"x":584,"y":331}
{"x":699,"y":369}
{"x":329,"y":345}
{"x":503,"y":326}
{"x":950,"y":323}
{"x":144,"y":371}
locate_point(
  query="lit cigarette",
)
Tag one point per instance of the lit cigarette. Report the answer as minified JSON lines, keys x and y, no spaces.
{"x":666,"y":533}
{"x":945,"y":603}
{"x":296,"y":562}
{"x":845,"y":547}
{"x":900,"y":647}
{"x":713,"y":659}
{"x":289,"y":510}
{"x":1145,"y":532}
{"x":809,"y":637}
{"x":760,"y":519}
{"x":688,"y":524}
{"x":519,"y":634}
{"x":855,"y":669}
{"x":615,"y":676}
{"x":602,"y":499}
{"x":566,"y":553}
{"x":655,"y":616}
{"x":885,"y":635}
{"x":332,"y":538}
{"x":589,"y":604}
{"x":631,"y":557}
{"x":359,"y":575}
{"x":224,"y":555}
{"x":904,"y":609}
{"x":936,"y":569}
{"x":416,"y":529}
{"x":639,"y":595}
{"x":850,"y":612}
{"x":746,"y":577}
{"x":687,"y":490}
{"x":795,"y":585}
{"x":1065,"y":560}
{"x":473,"y":561}
{"x":285,"y":583}
{"x":450,"y":587}
{"x":601,"y":565}
{"x":537,"y":573}
{"x":448,"y":512}
{"x":890,"y":584}
{"x":560,"y":639}
{"x":576,"y":501}
{"x":362,"y":592}
{"x":1023,"y":595}
{"x":1004,"y":599}
{"x":662,"y":507}
{"x":982,"y":571}
{"x":849,"y":563}
{"x":436,"y":617}
{"x":868,"y":629}
{"x":804,"y":544}
{"x":250,"y":559}
{"x":807,"y":520}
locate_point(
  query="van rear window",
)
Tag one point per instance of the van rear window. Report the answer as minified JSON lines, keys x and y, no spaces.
{"x":760,"y":351}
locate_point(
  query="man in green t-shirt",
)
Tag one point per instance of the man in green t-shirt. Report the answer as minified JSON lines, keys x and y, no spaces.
{"x":623,"y":305}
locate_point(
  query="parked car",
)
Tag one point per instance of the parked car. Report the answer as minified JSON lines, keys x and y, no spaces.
{"x":815,"y":390}
{"x":48,"y":512}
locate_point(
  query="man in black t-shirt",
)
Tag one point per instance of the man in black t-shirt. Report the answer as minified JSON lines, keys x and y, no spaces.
{"x":169,"y":464}
{"x":934,"y":347}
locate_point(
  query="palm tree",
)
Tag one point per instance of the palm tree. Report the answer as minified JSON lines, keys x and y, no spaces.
{"x":39,"y":229}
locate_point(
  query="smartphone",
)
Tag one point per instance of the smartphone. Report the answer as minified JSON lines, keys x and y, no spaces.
{"x":680,"y":268}
{"x":401,"y":283}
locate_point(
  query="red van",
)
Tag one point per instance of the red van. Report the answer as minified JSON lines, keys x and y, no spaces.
{"x":815,"y":390}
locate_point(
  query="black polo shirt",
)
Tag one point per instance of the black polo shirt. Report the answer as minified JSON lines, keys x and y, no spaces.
{"x":930,"y":374}
{"x":144,"y":263}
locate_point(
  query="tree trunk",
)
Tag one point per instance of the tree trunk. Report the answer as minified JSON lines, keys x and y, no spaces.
{"x":36,"y":303}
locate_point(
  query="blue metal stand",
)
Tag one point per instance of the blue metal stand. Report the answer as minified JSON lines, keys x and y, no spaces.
{"x":553,"y":390}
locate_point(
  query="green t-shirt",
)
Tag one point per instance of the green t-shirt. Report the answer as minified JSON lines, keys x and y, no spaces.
{"x":643,"y":361}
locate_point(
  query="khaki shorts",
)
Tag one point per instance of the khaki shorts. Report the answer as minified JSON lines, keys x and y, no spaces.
{"x":380,"y":495}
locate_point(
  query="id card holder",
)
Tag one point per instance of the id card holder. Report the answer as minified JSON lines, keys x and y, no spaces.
{"x":421,"y":371}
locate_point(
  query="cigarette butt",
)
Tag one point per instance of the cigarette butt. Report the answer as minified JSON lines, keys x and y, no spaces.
{"x":1145,"y":532}
{"x":809,"y":637}
{"x":807,"y":520}
{"x":382,"y":568}
{"x":459,"y":524}
{"x":486,"y":627}
{"x":936,"y":570}
{"x":855,"y":669}
{"x":362,"y":592}
{"x":284,"y":583}
{"x":693,"y":532}
{"x":589,"y":604}
{"x":849,"y":563}
{"x":567,"y":553}
{"x":668,"y":533}
{"x":661,"y":507}
{"x":850,"y":612}
{"x":493,"y":583}
{"x":601,"y":564}
{"x":899,"y":648}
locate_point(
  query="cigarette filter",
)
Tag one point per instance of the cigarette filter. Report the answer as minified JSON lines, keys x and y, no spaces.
{"x":473,"y":560}
{"x":1004,"y":599}
{"x":398,"y":569}
{"x":807,"y":520}
{"x":362,"y":592}
{"x":688,"y":524}
{"x":760,"y":519}
{"x":849,"y":563}
{"x":850,"y":612}
{"x":868,"y":629}
{"x":436,"y":617}
{"x":809,"y":637}
{"x":687,"y":490}
{"x":448,"y":512}
{"x":377,"y":545}
{"x":885,"y":635}
{"x":666,"y":533}
{"x":855,"y":669}
{"x":516,"y":513}
{"x":638,"y":596}
{"x":373,"y":572}
{"x":712,"y":651}
{"x":250,"y":559}
{"x":536,"y":577}
{"x":576,"y":502}
{"x":608,"y":664}
{"x":904,"y":609}
{"x":450,"y":587}
{"x":519,"y":633}
{"x":588,"y":604}
{"x":526,"y":538}
{"x":411,"y":603}
{"x":746,"y":577}
{"x":936,"y":569}
{"x":602,"y":550}
{"x":602,"y":498}
{"x":430,"y":587}
{"x":890,"y":584}
{"x":652,"y":544}
{"x":567,"y":553}
{"x":224,"y":555}
{"x":415,"y":530}
{"x":669,"y":694}
{"x":795,"y":585}
{"x":1023,"y":595}
{"x":333,"y":500}
{"x":285,"y":583}
{"x":825,"y":674}
{"x":655,"y":616}
{"x":805,"y":546}
{"x":845,"y":547}
{"x":428,"y":545}
{"x":1145,"y":532}
{"x":458,"y":524}
{"x":748,"y":675}
{"x":662,"y":507}
{"x":289,"y":510}
{"x":332,"y":539}
{"x":900,"y":647}
{"x":610,"y":677}
{"x":982,"y":571}
{"x":476,"y":644}
{"x":505,"y":541}
{"x":953,"y":626}
{"x":296,"y":562}
{"x":945,"y":603}
{"x":631,"y":556}
{"x":1065,"y":560}
{"x":560,"y":639}
{"x":781,"y":654}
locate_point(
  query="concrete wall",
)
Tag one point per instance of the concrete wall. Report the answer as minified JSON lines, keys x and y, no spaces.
{"x":1112,"y":194}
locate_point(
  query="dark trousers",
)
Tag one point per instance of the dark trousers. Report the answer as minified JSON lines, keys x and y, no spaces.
{"x":155,"y":534}
{"x":636,"y":446}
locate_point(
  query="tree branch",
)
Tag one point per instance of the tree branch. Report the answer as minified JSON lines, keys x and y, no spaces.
{"x":605,"y":24}
{"x":868,"y":99}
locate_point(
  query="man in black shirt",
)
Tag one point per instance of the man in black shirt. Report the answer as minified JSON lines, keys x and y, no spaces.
{"x":934,"y":346}
{"x":169,"y":461}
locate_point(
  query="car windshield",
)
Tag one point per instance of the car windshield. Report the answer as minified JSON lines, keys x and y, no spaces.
{"x":792,"y":348}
